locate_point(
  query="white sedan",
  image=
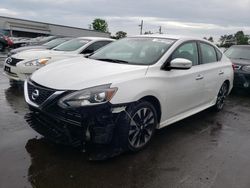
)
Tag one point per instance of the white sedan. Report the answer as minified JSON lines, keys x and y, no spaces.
{"x":122,"y":93}
{"x":20,"y":66}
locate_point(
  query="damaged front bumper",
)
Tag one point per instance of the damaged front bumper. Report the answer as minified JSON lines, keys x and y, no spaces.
{"x":75,"y":127}
{"x":86,"y":127}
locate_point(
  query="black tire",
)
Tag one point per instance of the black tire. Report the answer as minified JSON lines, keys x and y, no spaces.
{"x":221,"y":97}
{"x":138,"y":126}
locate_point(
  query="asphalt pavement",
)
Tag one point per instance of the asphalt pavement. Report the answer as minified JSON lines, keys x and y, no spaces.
{"x":207,"y":150}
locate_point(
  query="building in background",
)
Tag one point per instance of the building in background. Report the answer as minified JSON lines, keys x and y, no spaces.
{"x":26,"y":28}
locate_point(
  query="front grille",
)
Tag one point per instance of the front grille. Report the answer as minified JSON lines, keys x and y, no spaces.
{"x":71,"y":116}
{"x":61,"y":132}
{"x":13,"y":61}
{"x":39,"y":94}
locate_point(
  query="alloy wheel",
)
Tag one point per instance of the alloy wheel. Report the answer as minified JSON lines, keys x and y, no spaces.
{"x":141,"y":127}
{"x":221,"y":96}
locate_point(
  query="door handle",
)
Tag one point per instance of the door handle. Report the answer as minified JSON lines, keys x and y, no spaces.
{"x":221,"y":72}
{"x":199,"y":77}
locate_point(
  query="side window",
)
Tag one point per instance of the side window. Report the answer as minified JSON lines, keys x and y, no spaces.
{"x":219,"y":55}
{"x":187,"y":51}
{"x":208,"y":53}
{"x":95,"y":46}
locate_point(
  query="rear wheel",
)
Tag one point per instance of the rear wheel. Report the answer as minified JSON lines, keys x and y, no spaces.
{"x":142,"y":121}
{"x":221,"y":97}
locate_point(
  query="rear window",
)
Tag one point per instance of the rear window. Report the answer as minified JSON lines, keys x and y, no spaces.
{"x":219,"y":54}
{"x":238,"y":52}
{"x":208,"y":53}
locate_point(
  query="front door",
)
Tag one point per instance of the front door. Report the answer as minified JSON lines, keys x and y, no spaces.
{"x":185,"y":87}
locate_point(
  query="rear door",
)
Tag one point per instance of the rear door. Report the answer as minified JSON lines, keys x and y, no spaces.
{"x":212,"y":70}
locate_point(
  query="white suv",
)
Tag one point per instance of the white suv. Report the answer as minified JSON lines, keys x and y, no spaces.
{"x":20,"y":66}
{"x":118,"y":97}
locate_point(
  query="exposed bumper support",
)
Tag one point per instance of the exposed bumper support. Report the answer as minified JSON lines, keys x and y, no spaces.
{"x":91,"y":129}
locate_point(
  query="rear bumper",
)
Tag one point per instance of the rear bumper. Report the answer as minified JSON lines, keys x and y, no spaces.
{"x":241,"y":80}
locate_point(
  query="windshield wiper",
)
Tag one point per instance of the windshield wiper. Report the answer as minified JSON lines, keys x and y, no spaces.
{"x":112,"y":60}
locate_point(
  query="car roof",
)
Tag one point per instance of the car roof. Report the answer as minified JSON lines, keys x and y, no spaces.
{"x":244,"y":46}
{"x":96,"y":38}
{"x":174,"y":37}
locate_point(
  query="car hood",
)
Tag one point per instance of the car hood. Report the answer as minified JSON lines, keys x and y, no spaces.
{"x":240,"y":61}
{"x":14,"y":51}
{"x":36,"y":54}
{"x":80,"y":73}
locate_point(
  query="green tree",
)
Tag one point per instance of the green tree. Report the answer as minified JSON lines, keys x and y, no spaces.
{"x":100,"y":25}
{"x":210,"y":39}
{"x":120,"y":34}
{"x":223,"y":39}
{"x":241,"y":38}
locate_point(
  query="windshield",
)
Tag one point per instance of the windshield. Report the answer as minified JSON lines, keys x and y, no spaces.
{"x":238,"y":52}
{"x":55,"y":42}
{"x":141,"y":51}
{"x":71,"y":45}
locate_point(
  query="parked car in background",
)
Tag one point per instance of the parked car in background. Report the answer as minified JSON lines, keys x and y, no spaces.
{"x":32,"y":41}
{"x":222,"y":49}
{"x":48,"y":45}
{"x":116,"y":98}
{"x":5,"y":41}
{"x":21,"y":65}
{"x":19,"y":41}
{"x":240,"y":57}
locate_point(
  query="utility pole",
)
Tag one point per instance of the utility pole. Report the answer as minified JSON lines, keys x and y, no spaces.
{"x":160,"y":30}
{"x":141,"y":27}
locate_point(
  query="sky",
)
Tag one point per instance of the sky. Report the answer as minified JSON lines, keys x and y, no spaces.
{"x":201,"y":18}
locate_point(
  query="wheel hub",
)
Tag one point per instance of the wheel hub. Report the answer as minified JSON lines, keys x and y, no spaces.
{"x":141,"y":127}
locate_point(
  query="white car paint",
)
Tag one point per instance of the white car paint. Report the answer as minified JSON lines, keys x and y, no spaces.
{"x":20,"y":72}
{"x":181,"y":93}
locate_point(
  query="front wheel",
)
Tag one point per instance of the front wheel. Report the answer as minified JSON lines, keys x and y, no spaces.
{"x":142,"y":121}
{"x":221,"y":97}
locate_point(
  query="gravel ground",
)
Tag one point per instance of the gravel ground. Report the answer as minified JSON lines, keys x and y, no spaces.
{"x":206,"y":150}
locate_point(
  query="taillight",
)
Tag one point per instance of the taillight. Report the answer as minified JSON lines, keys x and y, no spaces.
{"x":236,"y":67}
{"x":233,"y":65}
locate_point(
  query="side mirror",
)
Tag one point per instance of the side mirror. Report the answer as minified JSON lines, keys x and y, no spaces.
{"x":180,"y":63}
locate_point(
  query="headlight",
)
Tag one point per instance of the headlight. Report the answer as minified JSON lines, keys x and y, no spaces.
{"x":88,"y":97}
{"x":246,"y":68}
{"x":37,"y":62}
